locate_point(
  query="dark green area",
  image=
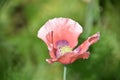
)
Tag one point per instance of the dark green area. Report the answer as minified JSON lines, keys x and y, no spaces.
{"x":22,"y":54}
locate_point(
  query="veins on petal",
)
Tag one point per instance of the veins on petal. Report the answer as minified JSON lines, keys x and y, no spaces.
{"x":52,"y":50}
{"x":50,"y":37}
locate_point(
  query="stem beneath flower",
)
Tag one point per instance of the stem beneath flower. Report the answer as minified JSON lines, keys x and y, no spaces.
{"x":65,"y":73}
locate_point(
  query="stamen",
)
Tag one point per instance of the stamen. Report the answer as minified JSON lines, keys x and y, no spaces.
{"x":62,"y":47}
{"x":65,"y":49}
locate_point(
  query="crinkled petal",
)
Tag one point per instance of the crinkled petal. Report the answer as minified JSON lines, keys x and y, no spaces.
{"x":52,"y":53}
{"x":85,"y":45}
{"x":50,"y":61}
{"x":63,"y":29}
{"x":65,"y":59}
{"x":69,"y":58}
{"x":85,"y":55}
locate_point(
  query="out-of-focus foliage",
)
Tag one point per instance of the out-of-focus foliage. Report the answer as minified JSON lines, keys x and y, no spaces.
{"x":22,"y":54}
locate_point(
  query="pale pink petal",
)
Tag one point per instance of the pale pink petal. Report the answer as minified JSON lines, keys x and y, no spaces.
{"x":52,"y":53}
{"x":69,"y":58}
{"x":94,"y":38}
{"x":50,"y":61}
{"x":68,"y":30}
{"x":85,"y":55}
{"x":85,"y":45}
{"x":65,"y":59}
{"x":63,"y":29}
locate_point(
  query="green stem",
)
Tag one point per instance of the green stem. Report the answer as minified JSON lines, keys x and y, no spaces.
{"x":65,"y":73}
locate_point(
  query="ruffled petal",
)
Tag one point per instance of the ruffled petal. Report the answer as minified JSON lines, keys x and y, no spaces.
{"x":85,"y":45}
{"x":68,"y":30}
{"x":63,"y":29}
{"x":85,"y":55}
{"x":50,"y":61}
{"x":64,"y":59}
{"x":52,"y":53}
{"x":69,"y":58}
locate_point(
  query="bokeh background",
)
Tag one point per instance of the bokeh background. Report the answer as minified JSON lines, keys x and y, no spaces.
{"x":22,"y":54}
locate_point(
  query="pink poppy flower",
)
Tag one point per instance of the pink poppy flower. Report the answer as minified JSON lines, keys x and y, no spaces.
{"x":61,"y":36}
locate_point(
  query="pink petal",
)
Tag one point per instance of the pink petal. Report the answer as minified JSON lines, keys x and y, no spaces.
{"x":52,"y":53}
{"x":85,"y":55}
{"x":65,"y":59}
{"x":63,"y":29}
{"x":50,"y":61}
{"x":69,"y":58}
{"x":85,"y":45}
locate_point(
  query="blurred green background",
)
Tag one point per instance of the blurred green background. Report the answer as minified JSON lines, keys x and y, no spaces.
{"x":22,"y":54}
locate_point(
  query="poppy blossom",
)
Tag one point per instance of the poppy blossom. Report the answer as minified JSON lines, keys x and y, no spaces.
{"x":61,"y":36}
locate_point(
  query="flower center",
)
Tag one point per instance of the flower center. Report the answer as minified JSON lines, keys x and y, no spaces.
{"x":62,"y":47}
{"x":65,"y":49}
